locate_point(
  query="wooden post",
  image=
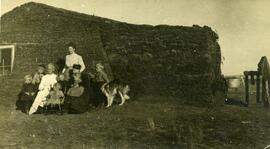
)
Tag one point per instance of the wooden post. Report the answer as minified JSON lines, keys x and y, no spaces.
{"x":269,"y":87}
{"x":263,"y":90}
{"x":258,"y":87}
{"x":3,"y":67}
{"x":246,"y":87}
{"x":265,"y":101}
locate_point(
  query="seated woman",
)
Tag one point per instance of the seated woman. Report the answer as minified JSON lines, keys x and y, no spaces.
{"x":45,"y":86}
{"x":77,"y":99}
{"x":55,"y":97}
{"x":27,"y":94}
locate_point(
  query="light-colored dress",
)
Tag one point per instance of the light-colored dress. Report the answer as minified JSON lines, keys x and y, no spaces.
{"x":72,"y":59}
{"x":55,"y":98}
{"x":45,"y":86}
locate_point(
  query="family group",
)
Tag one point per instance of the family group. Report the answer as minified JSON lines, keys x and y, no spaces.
{"x":70,"y":90}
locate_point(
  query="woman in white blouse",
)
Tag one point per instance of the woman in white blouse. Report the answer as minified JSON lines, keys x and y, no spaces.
{"x":73,"y":58}
{"x":45,"y":86}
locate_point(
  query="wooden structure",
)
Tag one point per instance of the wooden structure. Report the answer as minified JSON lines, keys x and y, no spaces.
{"x":255,"y":77}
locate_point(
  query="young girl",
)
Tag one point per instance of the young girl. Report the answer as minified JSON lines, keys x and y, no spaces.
{"x":27,"y":94}
{"x":56,"y":96}
{"x":98,"y":79}
{"x":45,"y":86}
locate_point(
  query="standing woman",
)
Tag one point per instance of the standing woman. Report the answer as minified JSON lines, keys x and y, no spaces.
{"x":45,"y":86}
{"x":73,"y":58}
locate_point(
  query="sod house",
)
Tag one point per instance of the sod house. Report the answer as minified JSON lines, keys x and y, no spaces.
{"x":166,"y":60}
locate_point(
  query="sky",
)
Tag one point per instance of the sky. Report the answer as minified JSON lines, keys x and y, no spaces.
{"x":243,"y":26}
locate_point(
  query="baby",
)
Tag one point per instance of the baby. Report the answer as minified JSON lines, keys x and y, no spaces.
{"x":56,"y":96}
{"x":27,"y":94}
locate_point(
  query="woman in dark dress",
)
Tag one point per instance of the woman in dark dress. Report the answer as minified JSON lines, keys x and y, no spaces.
{"x":77,"y":100}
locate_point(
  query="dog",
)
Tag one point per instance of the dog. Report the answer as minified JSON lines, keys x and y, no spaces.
{"x":112,"y":88}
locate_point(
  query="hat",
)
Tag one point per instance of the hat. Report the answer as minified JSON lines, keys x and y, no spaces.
{"x":42,"y":66}
{"x":27,"y":77}
{"x":76,"y":66}
{"x":99,"y":65}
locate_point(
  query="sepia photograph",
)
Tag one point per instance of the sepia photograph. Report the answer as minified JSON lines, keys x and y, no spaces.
{"x":134,"y":74}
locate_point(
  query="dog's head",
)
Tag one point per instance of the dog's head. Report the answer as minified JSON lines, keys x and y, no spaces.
{"x":125,"y":89}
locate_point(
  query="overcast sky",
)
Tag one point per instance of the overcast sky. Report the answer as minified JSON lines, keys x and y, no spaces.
{"x":243,"y":25}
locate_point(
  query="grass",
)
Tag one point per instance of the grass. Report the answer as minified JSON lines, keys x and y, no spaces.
{"x":145,"y":122}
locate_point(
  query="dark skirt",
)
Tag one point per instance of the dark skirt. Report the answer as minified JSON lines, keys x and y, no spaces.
{"x":76,"y":105}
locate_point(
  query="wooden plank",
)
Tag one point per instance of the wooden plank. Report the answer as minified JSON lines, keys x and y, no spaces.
{"x":264,"y":98}
{"x":258,"y":87}
{"x":247,"y":87}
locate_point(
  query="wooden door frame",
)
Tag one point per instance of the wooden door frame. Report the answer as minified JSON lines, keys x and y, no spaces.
{"x":12,"y":47}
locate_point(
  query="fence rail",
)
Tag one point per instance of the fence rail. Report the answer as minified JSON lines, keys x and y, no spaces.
{"x":9,"y":66}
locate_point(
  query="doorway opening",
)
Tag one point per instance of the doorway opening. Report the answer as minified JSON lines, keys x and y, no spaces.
{"x":7,"y":54}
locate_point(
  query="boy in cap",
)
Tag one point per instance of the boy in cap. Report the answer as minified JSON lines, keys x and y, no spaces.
{"x":98,"y":79}
{"x":27,"y":94}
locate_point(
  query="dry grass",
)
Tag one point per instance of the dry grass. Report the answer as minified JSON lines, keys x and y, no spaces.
{"x":146,"y":122}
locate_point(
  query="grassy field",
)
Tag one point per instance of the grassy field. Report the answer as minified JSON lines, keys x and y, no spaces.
{"x":144,"y":122}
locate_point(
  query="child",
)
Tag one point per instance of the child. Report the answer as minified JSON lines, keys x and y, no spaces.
{"x":100,"y":76}
{"x":38,"y":75}
{"x":56,"y":96}
{"x":98,"y":79}
{"x":61,"y":79}
{"x":27,"y":94}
